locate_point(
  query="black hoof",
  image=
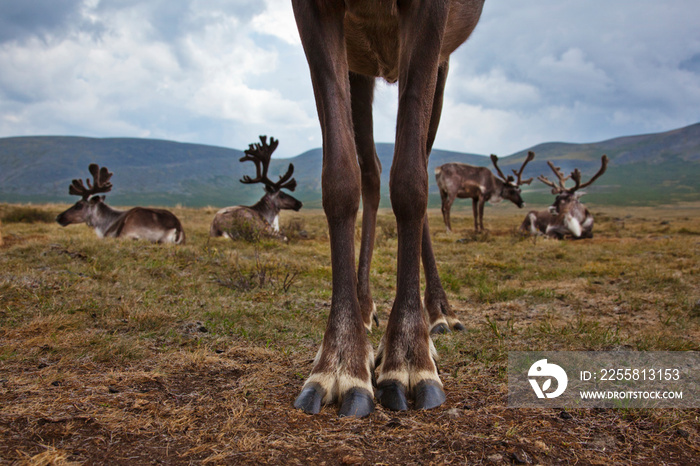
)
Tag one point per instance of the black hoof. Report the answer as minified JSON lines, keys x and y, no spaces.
{"x":440,"y":328}
{"x":375,"y":318}
{"x":357,"y":402}
{"x":459,"y":327}
{"x":428,"y":394}
{"x":392,"y":395}
{"x":309,"y":400}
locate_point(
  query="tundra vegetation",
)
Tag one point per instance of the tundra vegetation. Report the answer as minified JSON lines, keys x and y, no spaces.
{"x":126,"y":352}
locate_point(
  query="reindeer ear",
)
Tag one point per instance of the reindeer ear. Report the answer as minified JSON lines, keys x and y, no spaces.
{"x":578,"y":194}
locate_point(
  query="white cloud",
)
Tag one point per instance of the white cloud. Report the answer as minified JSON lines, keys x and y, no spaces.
{"x":571,"y":71}
{"x":128,"y":81}
{"x":277,"y":20}
{"x":493,"y":89}
{"x":221,"y":72}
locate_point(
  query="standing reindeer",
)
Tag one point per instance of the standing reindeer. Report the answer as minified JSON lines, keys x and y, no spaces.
{"x":348,"y":43}
{"x":263,"y":217}
{"x":155,"y":225}
{"x":567,"y":216}
{"x":461,"y":180}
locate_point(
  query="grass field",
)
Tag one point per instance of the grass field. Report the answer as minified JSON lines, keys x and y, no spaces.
{"x":123,"y":352}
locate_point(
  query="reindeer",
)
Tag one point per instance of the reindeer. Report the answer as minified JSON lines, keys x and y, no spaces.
{"x":566,"y":217}
{"x":461,"y":180}
{"x":348,"y":43}
{"x":155,"y":225}
{"x":263,"y":217}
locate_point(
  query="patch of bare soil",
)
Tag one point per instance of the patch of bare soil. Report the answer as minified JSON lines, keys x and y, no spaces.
{"x":235,"y":406}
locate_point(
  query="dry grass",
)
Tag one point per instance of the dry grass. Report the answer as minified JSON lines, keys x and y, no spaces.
{"x":123,"y":352}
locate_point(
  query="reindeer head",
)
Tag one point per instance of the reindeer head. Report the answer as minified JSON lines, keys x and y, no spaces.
{"x":511,"y":185}
{"x":567,"y":199}
{"x":260,"y":154}
{"x":80,"y":212}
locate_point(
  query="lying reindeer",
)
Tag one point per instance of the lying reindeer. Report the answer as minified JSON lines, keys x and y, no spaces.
{"x":567,"y":216}
{"x":263,"y":217}
{"x":155,"y":225}
{"x":461,"y":180}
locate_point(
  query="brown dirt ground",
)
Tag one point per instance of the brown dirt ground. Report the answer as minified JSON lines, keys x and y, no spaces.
{"x":234,"y":406}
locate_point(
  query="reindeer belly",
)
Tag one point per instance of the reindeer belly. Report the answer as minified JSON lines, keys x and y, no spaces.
{"x":154,"y":236}
{"x":154,"y":225}
{"x":372,"y":39}
{"x":470,"y":190}
{"x":372,"y":34}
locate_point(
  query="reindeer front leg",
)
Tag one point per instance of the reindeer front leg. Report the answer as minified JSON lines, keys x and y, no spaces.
{"x":480,"y":207}
{"x":343,"y":366}
{"x":447,"y":200}
{"x":406,"y":363}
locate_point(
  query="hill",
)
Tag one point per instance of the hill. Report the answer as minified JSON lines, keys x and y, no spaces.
{"x":644,"y":169}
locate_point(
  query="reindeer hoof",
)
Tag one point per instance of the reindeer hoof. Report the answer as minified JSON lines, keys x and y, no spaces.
{"x":459,"y":327}
{"x":428,"y":395}
{"x":309,"y":400}
{"x":392,"y":395}
{"x":357,"y":402}
{"x":440,"y":328}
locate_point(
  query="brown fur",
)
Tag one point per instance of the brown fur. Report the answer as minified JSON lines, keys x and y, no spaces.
{"x":241,"y":222}
{"x":536,"y":222}
{"x":568,"y":217}
{"x":261,"y":219}
{"x":347,"y":45}
{"x":464,"y":181}
{"x":155,"y":225}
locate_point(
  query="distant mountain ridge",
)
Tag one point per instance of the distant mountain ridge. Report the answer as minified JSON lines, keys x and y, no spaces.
{"x":645,"y":169}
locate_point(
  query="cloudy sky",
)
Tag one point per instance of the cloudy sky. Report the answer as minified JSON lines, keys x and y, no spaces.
{"x":220,"y":72}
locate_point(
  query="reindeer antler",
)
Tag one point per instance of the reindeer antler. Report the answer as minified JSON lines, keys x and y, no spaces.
{"x":507,"y":179}
{"x":260,"y":154}
{"x":562,"y":179}
{"x":576,"y":175}
{"x":101,"y":182}
{"x":519,"y":174}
